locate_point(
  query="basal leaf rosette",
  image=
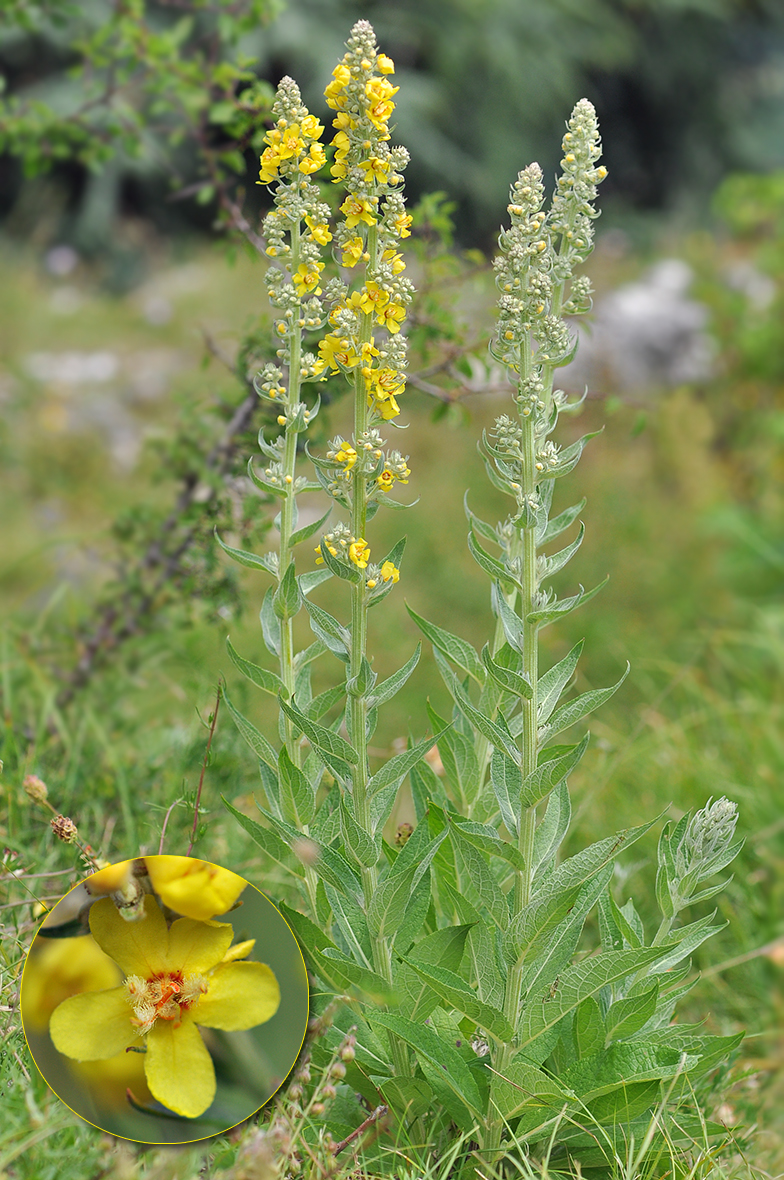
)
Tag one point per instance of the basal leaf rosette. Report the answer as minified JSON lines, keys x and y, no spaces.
{"x":177,"y":979}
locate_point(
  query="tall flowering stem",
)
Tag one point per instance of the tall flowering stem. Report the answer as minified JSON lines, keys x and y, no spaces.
{"x":534,"y":275}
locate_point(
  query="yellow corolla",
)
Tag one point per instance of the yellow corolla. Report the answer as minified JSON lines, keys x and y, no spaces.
{"x":58,"y":968}
{"x":176,"y":979}
{"x":194,"y":888}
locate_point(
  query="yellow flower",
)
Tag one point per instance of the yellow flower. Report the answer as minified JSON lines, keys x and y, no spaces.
{"x":390,"y":316}
{"x":402,"y":225}
{"x":311,"y":128}
{"x":352,"y":251}
{"x":398,"y":265}
{"x":357,"y":209}
{"x":379,"y":89}
{"x":375,"y":169}
{"x":359,"y":552}
{"x":372,"y":297}
{"x":270,"y":161}
{"x":111,"y":879}
{"x":314,"y":160}
{"x":194,"y":888}
{"x":58,"y":968}
{"x":306,"y":278}
{"x":388,"y":570}
{"x":176,"y":979}
{"x":346,"y":455}
{"x":385,"y":481}
{"x":383,"y":387}
{"x":384,"y":64}
{"x":337,"y":353}
{"x":319,"y":232}
{"x":334,"y":91}
{"x":290,"y":143}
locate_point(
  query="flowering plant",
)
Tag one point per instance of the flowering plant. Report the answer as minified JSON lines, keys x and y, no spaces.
{"x":456,"y":947}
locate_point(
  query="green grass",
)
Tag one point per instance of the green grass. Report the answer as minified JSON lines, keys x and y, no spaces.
{"x":701,"y":714}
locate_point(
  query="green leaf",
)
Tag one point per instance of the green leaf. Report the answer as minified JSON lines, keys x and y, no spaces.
{"x":442,"y":948}
{"x":506,"y":779}
{"x":477,"y":881}
{"x":263,"y":679}
{"x":454,"y":648}
{"x":332,"y":634}
{"x":523,"y":1087}
{"x":553,"y":827}
{"x":329,"y":864}
{"x":486,"y":839}
{"x":510,"y":681}
{"x":438,"y":1053}
{"x":312,"y":578}
{"x":348,"y":915}
{"x":384,"y":691}
{"x":294,"y":785}
{"x":491,"y":565}
{"x":455,"y":991}
{"x":395,"y":770}
{"x":551,"y":565}
{"x":333,"y":966}
{"x":565,"y":606}
{"x":535,"y":923}
{"x":415,"y":914}
{"x":554,"y":681}
{"x":511,"y":623}
{"x":308,"y":530}
{"x":626,"y":1017}
{"x":408,"y":1097}
{"x":588,"y":1028}
{"x":559,"y":524}
{"x":254,"y":561}
{"x":360,"y":685}
{"x":619,"y":1065}
{"x":575,"y":984}
{"x":495,"y":731}
{"x":585,"y":864}
{"x":257,"y":742}
{"x":325,"y":741}
{"x":581,"y":706}
{"x":345,"y":570}
{"x":390,"y":900}
{"x":268,"y":840}
{"x":549,"y":774}
{"x":270,"y":624}
{"x":458,"y":756}
{"x":287,"y":599}
{"x":318,"y":706}
{"x":559,"y":947}
{"x":356,"y":841}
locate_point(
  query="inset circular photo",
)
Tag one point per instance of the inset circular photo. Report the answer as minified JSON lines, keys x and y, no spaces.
{"x":164,"y":999}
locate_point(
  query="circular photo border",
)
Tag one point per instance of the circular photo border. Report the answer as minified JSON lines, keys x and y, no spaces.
{"x":164,"y":999}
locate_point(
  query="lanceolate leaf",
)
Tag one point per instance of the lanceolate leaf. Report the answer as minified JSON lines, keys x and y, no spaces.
{"x":549,"y":774}
{"x":454,"y":648}
{"x":559,"y":524}
{"x":551,"y":565}
{"x":390,"y":901}
{"x":581,"y":706}
{"x":308,"y":530}
{"x":554,"y":681}
{"x":398,"y":767}
{"x":299,"y":791}
{"x":358,"y":844}
{"x":256,"y":561}
{"x":387,"y":688}
{"x":438,"y":1052}
{"x":626,"y":1017}
{"x":506,"y":779}
{"x":287,"y":599}
{"x":553,"y":827}
{"x":323,"y":739}
{"x":257,"y":742}
{"x":268,"y":840}
{"x":442,"y":948}
{"x":577,"y":982}
{"x":495,"y":731}
{"x":334,"y":967}
{"x":331,"y":633}
{"x":511,"y":623}
{"x":565,"y":606}
{"x":270,"y":624}
{"x":509,"y":680}
{"x":487,"y":840}
{"x":329,"y":863}
{"x":585,"y":864}
{"x":491,"y":565}
{"x":455,"y":991}
{"x":263,"y":679}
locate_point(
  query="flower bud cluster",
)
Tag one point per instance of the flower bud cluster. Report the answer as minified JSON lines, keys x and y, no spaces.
{"x":573,"y":211}
{"x":697,"y":848}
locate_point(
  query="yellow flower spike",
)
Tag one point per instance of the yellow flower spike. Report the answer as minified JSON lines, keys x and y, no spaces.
{"x":194,"y":888}
{"x":176,"y":979}
{"x":359,"y":553}
{"x":346,"y":455}
{"x":390,"y":571}
{"x":396,"y":261}
{"x":337,"y":353}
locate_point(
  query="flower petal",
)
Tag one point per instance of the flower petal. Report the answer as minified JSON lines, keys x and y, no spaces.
{"x":240,"y":995}
{"x":197,"y":946}
{"x":93,"y":1025}
{"x":138,"y":947}
{"x":179,"y":1069}
{"x":194,"y":888}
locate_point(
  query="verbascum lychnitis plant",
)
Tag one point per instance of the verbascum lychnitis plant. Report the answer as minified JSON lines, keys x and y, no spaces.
{"x":455,"y":950}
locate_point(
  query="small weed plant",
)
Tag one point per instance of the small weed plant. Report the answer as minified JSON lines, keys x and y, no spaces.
{"x":463,"y":996}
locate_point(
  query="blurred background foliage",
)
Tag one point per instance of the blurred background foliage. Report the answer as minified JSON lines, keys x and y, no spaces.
{"x":126,"y":344}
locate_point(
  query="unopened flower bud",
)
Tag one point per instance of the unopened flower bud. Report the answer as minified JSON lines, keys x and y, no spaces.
{"x":35,"y":788}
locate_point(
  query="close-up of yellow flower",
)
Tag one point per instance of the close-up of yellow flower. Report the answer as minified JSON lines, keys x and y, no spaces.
{"x":194,"y":888}
{"x":359,"y":552}
{"x":176,"y":979}
{"x":358,"y":209}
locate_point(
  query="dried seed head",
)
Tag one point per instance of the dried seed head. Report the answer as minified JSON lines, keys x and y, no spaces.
{"x":64,"y":828}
